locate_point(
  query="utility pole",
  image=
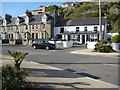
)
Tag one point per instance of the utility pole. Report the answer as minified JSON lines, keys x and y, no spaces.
{"x":100,"y":21}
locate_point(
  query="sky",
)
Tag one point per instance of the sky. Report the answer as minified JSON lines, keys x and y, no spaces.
{"x":19,"y":8}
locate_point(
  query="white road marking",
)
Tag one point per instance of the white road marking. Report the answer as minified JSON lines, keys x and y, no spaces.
{"x":112,"y":65}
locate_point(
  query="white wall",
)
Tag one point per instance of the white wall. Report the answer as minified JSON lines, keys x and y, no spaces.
{"x":73,"y":28}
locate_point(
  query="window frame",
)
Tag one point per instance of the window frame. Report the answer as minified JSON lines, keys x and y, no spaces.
{"x":77,"y":29}
{"x":85,"y":29}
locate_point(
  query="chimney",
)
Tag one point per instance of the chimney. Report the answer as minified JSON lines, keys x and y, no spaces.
{"x":8,"y":16}
{"x":28,"y":13}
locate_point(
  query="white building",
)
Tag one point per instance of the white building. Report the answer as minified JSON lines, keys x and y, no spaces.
{"x":67,"y":4}
{"x":79,"y":30}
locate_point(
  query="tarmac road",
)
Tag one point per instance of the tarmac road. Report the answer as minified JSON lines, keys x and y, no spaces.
{"x":104,"y":68}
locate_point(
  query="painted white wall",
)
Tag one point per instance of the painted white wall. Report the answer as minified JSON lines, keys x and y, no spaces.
{"x":73,"y":28}
{"x":26,"y":19}
{"x":44,"y":18}
{"x":4,"y":36}
{"x":67,"y":5}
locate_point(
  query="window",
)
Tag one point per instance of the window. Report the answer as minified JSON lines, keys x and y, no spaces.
{"x":36,"y":26}
{"x":32,"y":26}
{"x":42,"y":35}
{"x":11,"y":36}
{"x":26,"y":27}
{"x":36,"y":35}
{"x":77,"y":29}
{"x":85,"y":28}
{"x":61,"y":30}
{"x":32,"y":35}
{"x":16,"y":27}
{"x":95,"y":29}
{"x":43,"y":26}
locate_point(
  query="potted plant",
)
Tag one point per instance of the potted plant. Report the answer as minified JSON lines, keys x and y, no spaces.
{"x":116,"y":42}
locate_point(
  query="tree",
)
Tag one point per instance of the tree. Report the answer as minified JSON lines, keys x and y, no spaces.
{"x":116,"y":27}
{"x":17,"y":58}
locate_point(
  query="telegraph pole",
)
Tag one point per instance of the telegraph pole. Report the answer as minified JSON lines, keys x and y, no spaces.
{"x":100,"y":21}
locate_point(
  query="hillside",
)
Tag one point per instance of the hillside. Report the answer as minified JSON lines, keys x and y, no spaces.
{"x":90,"y":9}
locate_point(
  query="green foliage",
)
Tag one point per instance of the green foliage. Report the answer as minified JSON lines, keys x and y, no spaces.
{"x":51,"y":8}
{"x":116,"y":27}
{"x":13,"y":79}
{"x":91,"y":9}
{"x":17,"y":58}
{"x":104,"y":47}
{"x":116,"y":39}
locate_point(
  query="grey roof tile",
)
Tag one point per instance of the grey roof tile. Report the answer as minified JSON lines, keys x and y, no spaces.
{"x":81,"y":21}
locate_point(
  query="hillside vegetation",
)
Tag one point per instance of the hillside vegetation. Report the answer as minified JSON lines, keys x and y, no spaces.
{"x":111,"y":10}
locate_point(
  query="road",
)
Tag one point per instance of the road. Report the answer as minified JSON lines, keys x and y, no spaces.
{"x":103,"y":68}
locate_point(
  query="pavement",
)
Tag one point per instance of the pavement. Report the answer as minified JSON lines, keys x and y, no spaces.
{"x":91,"y":52}
{"x":51,"y":77}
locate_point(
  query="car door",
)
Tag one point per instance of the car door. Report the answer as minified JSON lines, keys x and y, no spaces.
{"x":43,"y":44}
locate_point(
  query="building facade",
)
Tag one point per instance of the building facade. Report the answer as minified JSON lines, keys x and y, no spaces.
{"x":67,"y":4}
{"x":19,"y":30}
{"x":80,"y":30}
{"x":39,"y":10}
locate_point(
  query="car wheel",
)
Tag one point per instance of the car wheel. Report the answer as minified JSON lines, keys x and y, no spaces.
{"x":47,"y":48}
{"x":34,"y":47}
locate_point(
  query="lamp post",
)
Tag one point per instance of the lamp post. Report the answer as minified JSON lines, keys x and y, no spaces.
{"x":100,"y":21}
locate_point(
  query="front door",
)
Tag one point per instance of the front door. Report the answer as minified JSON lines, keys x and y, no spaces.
{"x":83,"y":39}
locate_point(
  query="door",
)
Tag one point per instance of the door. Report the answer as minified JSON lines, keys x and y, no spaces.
{"x":83,"y":39}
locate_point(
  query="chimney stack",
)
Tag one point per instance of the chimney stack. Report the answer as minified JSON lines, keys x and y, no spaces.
{"x":28,"y":13}
{"x":8,"y":16}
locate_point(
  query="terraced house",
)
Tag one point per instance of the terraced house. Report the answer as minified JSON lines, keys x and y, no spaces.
{"x":24,"y":29}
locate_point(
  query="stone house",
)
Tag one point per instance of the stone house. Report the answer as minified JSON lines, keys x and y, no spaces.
{"x":24,"y":29}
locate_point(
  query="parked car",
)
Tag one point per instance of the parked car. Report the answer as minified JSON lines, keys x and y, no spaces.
{"x":43,"y":44}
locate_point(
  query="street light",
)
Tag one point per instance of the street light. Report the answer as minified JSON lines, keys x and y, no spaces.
{"x":100,"y":21}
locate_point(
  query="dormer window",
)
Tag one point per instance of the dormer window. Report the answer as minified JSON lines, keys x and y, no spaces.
{"x":85,"y":28}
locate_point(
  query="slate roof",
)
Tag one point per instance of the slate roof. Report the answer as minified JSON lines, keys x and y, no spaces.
{"x":80,"y":22}
{"x":12,"y":21}
{"x":34,"y":19}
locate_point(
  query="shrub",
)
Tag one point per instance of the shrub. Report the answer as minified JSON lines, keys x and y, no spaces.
{"x":103,"y":46}
{"x":116,"y":38}
{"x":12,"y":78}
{"x":17,"y":58}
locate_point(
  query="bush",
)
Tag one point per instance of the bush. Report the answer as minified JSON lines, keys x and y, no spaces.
{"x":116,"y":39}
{"x":103,"y":46}
{"x":13,"y":78}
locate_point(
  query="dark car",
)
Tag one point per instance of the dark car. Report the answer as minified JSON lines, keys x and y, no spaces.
{"x":43,"y":44}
